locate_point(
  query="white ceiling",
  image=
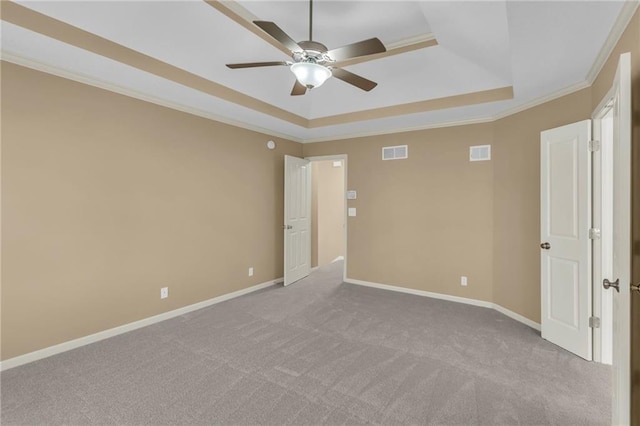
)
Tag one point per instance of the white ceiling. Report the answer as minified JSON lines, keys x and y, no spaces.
{"x":537,"y":47}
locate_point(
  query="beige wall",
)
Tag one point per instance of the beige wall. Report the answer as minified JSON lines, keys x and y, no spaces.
{"x":516,"y":192}
{"x":410,"y":229}
{"x":425,"y":221}
{"x":328,"y":200}
{"x":106,"y":199}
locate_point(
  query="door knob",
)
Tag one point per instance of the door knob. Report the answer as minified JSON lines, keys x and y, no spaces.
{"x":545,"y":246}
{"x":616,"y":284}
{"x":635,"y":287}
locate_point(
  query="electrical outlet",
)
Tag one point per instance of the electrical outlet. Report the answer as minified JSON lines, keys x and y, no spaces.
{"x":164,"y":292}
{"x":463,"y":281}
{"x":251,"y":271}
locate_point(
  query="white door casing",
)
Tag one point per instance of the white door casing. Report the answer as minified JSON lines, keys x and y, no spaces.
{"x":565,"y":190}
{"x":602,"y":168}
{"x":297,"y":219}
{"x":622,"y":242}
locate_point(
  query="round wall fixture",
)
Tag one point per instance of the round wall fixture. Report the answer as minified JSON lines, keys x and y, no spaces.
{"x":271,"y":145}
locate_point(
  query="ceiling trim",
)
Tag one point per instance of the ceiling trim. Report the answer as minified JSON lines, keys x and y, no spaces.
{"x":492,"y":95}
{"x":404,"y":129}
{"x":410,"y":44}
{"x":542,"y":99}
{"x":81,"y":78}
{"x":478,"y":120}
{"x":92,"y":81}
{"x":243,"y":17}
{"x":67,"y":33}
{"x":61,"y":31}
{"x":17,"y":59}
{"x":624,"y":17}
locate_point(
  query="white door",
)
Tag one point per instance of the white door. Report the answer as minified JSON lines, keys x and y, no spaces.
{"x":565,"y":246}
{"x":622,"y":242}
{"x":297,"y":219}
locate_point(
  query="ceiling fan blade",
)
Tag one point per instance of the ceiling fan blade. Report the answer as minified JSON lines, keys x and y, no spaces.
{"x":256,"y":64}
{"x":274,"y":31}
{"x":298,"y":89}
{"x":361,"y":48}
{"x":354,"y":79}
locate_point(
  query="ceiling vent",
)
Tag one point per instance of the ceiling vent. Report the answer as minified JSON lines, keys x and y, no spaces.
{"x":399,"y":152}
{"x":480,"y":153}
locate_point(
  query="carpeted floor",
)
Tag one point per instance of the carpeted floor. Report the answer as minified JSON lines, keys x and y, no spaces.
{"x":317,"y":352}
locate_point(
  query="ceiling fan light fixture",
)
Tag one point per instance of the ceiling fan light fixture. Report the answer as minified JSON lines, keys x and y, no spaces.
{"x":310,"y":75}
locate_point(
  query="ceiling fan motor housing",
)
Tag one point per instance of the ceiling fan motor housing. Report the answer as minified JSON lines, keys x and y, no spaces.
{"x":312,"y":50}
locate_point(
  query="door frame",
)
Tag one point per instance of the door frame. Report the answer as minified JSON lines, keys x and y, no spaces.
{"x":345,"y":172}
{"x":620,"y":408}
{"x":602,"y":213}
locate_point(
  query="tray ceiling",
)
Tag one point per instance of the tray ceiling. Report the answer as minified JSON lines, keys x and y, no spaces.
{"x":446,"y":61}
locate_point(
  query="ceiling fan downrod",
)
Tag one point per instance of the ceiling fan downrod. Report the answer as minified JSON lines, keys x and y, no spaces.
{"x":312,"y":62}
{"x":310,"y":20}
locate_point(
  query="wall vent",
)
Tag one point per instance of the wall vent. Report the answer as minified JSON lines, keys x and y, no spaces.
{"x":399,"y":152}
{"x":480,"y":153}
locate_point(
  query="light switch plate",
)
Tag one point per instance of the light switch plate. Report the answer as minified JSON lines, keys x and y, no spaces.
{"x":352,"y":195}
{"x":352,"y":211}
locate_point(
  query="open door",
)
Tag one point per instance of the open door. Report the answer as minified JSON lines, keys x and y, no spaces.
{"x":622,"y":242}
{"x":565,"y":245}
{"x":297,"y":219}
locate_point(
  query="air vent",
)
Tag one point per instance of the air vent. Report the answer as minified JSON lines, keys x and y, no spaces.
{"x":480,"y":153}
{"x":399,"y":152}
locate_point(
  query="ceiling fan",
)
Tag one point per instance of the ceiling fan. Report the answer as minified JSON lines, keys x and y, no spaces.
{"x":312,"y":62}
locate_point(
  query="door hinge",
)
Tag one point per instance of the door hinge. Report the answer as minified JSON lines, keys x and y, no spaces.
{"x":594,"y":322}
{"x":594,"y":234}
{"x":594,"y":145}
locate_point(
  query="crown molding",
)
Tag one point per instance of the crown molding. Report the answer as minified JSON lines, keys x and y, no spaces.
{"x":624,"y":17}
{"x":91,"y":81}
{"x":101,"y":84}
{"x":542,"y":99}
{"x":477,"y":120}
{"x":402,"y":130}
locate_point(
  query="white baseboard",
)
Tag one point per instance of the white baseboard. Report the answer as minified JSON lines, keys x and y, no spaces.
{"x":465,"y":300}
{"x":517,"y":317}
{"x":458,"y":299}
{"x":96,"y":337}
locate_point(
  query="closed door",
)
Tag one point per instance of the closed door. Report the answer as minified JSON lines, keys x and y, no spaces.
{"x":565,"y":246}
{"x":297,"y":219}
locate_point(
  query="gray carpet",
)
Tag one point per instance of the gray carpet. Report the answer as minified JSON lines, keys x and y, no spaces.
{"x":317,"y":352}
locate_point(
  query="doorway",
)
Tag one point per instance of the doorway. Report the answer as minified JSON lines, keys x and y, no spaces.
{"x":328,"y":210}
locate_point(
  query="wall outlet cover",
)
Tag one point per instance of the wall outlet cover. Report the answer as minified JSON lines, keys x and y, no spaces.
{"x":352,"y":211}
{"x":463,"y":281}
{"x":251,"y":271}
{"x":164,"y":292}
